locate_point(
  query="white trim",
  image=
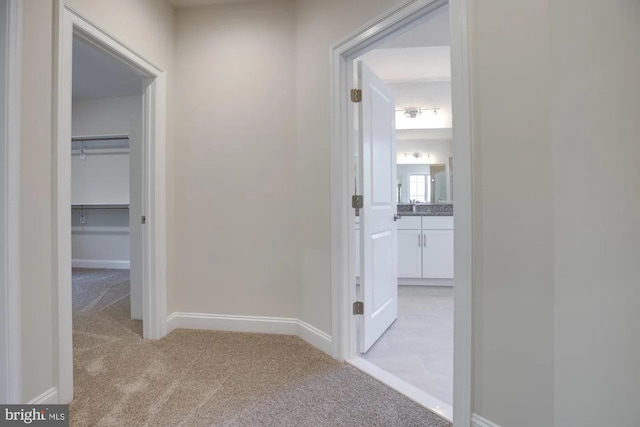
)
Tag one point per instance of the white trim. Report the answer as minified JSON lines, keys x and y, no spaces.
{"x":49,"y":397}
{"x":255,"y":324}
{"x":224,"y":322}
{"x":10,"y":336}
{"x":478,"y":421}
{"x":343,"y":274}
{"x":419,"y":396}
{"x":69,"y":24}
{"x":314,"y":336}
{"x":101,"y":263}
{"x":462,"y":214}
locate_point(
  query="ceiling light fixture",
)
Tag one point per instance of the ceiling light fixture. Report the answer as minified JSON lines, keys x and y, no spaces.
{"x":413,"y":112}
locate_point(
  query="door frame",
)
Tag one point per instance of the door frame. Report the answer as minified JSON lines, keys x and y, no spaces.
{"x":10,"y":333}
{"x":401,"y":18}
{"x":67,"y":24}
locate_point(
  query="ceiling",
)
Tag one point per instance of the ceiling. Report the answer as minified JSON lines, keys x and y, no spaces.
{"x":411,"y":64}
{"x":197,"y":3}
{"x":99,"y":75}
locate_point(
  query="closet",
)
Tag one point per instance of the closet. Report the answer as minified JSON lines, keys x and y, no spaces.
{"x":100,"y":188}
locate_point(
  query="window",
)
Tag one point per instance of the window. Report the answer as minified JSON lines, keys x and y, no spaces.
{"x":418,"y":187}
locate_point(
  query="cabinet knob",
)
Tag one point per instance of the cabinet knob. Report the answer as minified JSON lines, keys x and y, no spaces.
{"x":396,"y":217}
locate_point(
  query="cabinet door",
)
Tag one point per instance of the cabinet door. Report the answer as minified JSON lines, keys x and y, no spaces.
{"x":437,"y":254}
{"x":357,"y":252}
{"x":409,"y":254}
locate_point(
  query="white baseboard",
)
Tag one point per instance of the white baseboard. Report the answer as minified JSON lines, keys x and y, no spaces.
{"x":255,"y":324}
{"x":49,"y":397}
{"x":314,"y":336}
{"x":101,"y":263}
{"x":478,"y":421}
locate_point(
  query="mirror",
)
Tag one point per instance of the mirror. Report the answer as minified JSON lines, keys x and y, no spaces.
{"x":424,"y":166}
{"x":423,"y":183}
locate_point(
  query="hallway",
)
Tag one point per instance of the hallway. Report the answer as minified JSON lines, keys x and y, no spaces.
{"x":203,"y":378}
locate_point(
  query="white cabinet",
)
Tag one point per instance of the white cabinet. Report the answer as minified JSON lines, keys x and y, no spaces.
{"x":409,"y":253}
{"x":437,"y":254}
{"x":425,"y":247}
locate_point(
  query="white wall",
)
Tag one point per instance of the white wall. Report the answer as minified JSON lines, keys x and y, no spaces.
{"x":103,"y":241}
{"x":105,"y":116}
{"x":236,"y":246}
{"x":513,"y":220}
{"x":595,"y":104}
{"x":36,"y":201}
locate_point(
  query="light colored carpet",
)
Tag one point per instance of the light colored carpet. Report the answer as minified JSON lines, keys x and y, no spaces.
{"x":204,"y":378}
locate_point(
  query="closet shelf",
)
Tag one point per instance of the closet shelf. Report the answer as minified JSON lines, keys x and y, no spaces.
{"x":122,"y":206}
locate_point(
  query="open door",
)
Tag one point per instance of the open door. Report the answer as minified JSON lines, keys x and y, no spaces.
{"x":379,"y":235}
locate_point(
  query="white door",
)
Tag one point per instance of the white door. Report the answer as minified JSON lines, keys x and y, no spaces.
{"x":437,"y":254}
{"x":379,"y":250}
{"x":409,"y":254}
{"x":136,"y":169}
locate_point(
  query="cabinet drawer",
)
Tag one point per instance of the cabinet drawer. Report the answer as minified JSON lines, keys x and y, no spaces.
{"x":437,"y":223}
{"x":409,"y":223}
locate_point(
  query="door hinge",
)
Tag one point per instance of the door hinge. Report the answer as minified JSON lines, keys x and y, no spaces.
{"x":356,"y":95}
{"x":357,"y":202}
{"x":143,"y":220}
{"x":358,"y":308}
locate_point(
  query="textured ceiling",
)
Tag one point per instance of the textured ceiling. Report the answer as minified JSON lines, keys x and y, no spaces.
{"x":198,"y":3}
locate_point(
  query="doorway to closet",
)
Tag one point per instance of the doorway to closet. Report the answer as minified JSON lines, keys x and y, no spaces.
{"x":107,"y":170}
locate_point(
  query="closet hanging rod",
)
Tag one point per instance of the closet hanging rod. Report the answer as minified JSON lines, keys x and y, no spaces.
{"x":99,"y":138}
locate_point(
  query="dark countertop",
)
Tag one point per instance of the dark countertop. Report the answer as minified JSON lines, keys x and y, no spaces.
{"x":435,"y":209}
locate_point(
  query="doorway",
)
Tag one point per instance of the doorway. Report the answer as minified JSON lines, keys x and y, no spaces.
{"x":149,"y":132}
{"x":106,"y":195}
{"x":417,"y":348}
{"x":344,"y":246}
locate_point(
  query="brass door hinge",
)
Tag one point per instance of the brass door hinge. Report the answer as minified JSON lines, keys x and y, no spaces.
{"x":358,"y":308}
{"x":357,"y":202}
{"x":356,"y":95}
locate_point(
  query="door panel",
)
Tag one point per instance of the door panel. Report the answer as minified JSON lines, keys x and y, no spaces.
{"x":379,"y":250}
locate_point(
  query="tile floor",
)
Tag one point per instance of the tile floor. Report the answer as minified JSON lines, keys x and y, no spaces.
{"x":418,"y":347}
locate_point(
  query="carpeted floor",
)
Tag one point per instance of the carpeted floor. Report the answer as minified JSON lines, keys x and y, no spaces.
{"x":204,"y":378}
